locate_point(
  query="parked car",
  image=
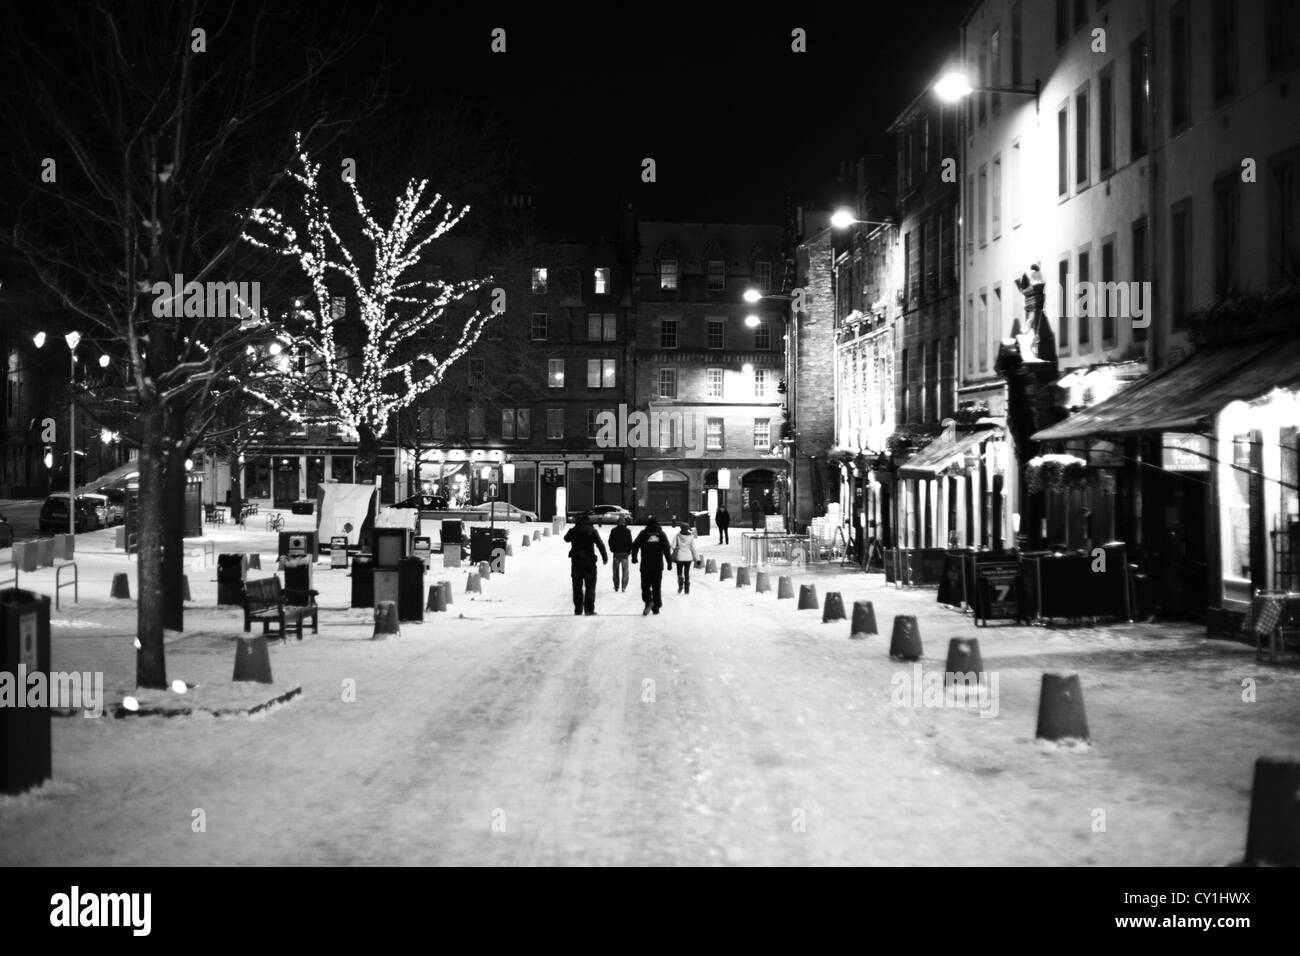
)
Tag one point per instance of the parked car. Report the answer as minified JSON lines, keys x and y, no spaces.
{"x":116,"y":504}
{"x":54,"y":515}
{"x":103,"y":507}
{"x":423,"y":502}
{"x":500,"y":511}
{"x":6,"y":532}
{"x":602,"y":514}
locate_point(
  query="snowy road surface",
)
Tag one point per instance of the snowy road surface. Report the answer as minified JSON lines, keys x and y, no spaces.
{"x":730,"y":729}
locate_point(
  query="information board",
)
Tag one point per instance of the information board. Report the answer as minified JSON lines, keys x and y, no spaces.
{"x":997,"y":591}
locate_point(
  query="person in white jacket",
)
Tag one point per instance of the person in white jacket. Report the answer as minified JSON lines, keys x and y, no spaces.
{"x":684,"y":556}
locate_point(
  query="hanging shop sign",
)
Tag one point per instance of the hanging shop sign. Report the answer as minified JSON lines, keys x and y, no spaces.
{"x":1105,"y":454}
{"x":1182,"y":452}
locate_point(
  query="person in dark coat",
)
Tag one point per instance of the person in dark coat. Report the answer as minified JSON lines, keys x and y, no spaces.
{"x":756,"y":513}
{"x":584,"y":542}
{"x":620,"y":546}
{"x":723,"y":518}
{"x":653,"y":545}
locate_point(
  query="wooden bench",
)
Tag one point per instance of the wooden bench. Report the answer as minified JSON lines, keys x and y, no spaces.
{"x":266,"y":601}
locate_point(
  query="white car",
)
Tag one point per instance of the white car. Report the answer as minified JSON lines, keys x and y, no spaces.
{"x":501,"y":511}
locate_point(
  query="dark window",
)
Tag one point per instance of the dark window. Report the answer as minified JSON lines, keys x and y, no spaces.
{"x":717,"y":329}
{"x":1062,"y":21}
{"x":1063,"y":280}
{"x":1103,"y":302}
{"x":1180,"y":262}
{"x":983,"y":81}
{"x":984,"y":205}
{"x":1139,"y":304}
{"x":1224,"y":37}
{"x":1106,"y":120}
{"x":1179,"y":68}
{"x":1225,"y":234}
{"x":995,"y":67}
{"x":1017,"y":59}
{"x":1281,"y":18}
{"x":1080,"y":13}
{"x":1063,"y":151}
{"x":1081,"y":136}
{"x":997,"y":196}
{"x":1138,"y":94}
{"x":1283,"y":248}
{"x":1084,"y":309}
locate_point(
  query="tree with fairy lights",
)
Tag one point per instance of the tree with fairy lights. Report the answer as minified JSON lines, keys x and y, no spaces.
{"x":357,"y":368}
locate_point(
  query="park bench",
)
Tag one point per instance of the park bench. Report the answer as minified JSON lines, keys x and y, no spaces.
{"x":266,"y":601}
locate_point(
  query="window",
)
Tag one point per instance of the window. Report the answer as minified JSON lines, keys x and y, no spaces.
{"x":984,"y":331}
{"x":608,"y":372}
{"x":610,"y":322}
{"x":1283,"y":248}
{"x":1081,"y":136}
{"x":984,"y":205}
{"x":1062,"y":21}
{"x":668,"y":333}
{"x":1225,"y":234}
{"x":983,"y":81}
{"x":1139,"y":233}
{"x":668,"y":429}
{"x":668,"y":383}
{"x":1280,"y":18}
{"x":1015,"y":183}
{"x":1139,"y":90}
{"x":761,"y":376}
{"x":477,"y":371}
{"x":713,"y":435}
{"x":496,"y":328}
{"x":1103,"y":302}
{"x":930,"y":255}
{"x":668,"y":274}
{"x":601,"y":280}
{"x":1179,"y":68}
{"x":763,"y":336}
{"x":924,"y":363}
{"x":1017,"y":56}
{"x":909,"y":274}
{"x":932,"y":380}
{"x":1224,"y":37}
{"x":763,"y":275}
{"x":554,"y":423}
{"x":717,"y":274}
{"x":338,"y":307}
{"x":1063,"y":278}
{"x":555,"y":373}
{"x":1180,"y":265}
{"x":538,"y":329}
{"x":613,"y":474}
{"x":593,"y":373}
{"x":997,"y":196}
{"x":717,"y":333}
{"x":1080,"y":13}
{"x":969,"y":224}
{"x":507,"y":423}
{"x":906,"y":386}
{"x":762,"y":433}
{"x":970,"y":334}
{"x":713,"y":383}
{"x":438,"y":424}
{"x":1084,"y":303}
{"x":1106,"y":121}
{"x":539,"y":281}
{"x":593,"y":423}
{"x":995,"y":69}
{"x":1063,"y":151}
{"x":523,"y":423}
{"x":595,"y":327}
{"x":477,"y":423}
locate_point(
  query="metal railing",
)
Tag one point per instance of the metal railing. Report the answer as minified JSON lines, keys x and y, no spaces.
{"x":60,"y":584}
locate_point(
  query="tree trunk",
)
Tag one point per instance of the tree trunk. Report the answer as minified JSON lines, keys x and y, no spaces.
{"x":235,"y":495}
{"x":368,"y":463}
{"x":150,"y":664}
{"x":173,"y":566}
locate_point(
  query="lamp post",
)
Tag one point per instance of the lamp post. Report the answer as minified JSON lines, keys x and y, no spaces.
{"x":954,"y":85}
{"x":73,"y":339}
{"x":486,"y":475}
{"x":789,"y":371}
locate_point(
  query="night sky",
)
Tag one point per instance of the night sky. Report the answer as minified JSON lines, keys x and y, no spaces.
{"x":732,"y":117}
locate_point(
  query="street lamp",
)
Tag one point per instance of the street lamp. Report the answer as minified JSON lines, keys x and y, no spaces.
{"x":843,"y":218}
{"x":954,"y":85}
{"x":73,"y":339}
{"x":486,"y":475}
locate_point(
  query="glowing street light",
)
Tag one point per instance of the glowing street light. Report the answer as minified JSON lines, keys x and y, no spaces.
{"x":954,"y":86}
{"x":103,"y":361}
{"x":842,"y":218}
{"x":753,"y":321}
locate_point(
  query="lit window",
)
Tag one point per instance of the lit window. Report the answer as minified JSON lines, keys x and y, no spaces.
{"x":523,"y":424}
{"x":539,"y":281}
{"x":668,"y":383}
{"x":593,"y":373}
{"x":507,"y":423}
{"x":763,"y":433}
{"x":555,"y":373}
{"x":668,"y":274}
{"x":611,"y":327}
{"x":593,"y":326}
{"x":602,"y":281}
{"x":717,"y":275}
{"x":713,"y":435}
{"x":608,"y":373}
{"x":714,"y":383}
{"x":760,"y":382}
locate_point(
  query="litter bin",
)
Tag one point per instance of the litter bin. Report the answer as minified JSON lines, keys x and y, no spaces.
{"x":300,"y":542}
{"x":232,"y":569}
{"x":410,"y":589}
{"x":303,"y":507}
{"x":480,"y":545}
{"x":453,"y":531}
{"x":702,"y":524}
{"x":297,"y":575}
{"x":24,"y":731}
{"x":363,"y":580}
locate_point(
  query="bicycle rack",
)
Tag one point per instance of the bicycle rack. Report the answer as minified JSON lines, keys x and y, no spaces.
{"x":60,"y":584}
{"x":13,"y":564}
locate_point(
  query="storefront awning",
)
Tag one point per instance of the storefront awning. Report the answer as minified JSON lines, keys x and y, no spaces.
{"x":1183,"y":396}
{"x":942,"y":453}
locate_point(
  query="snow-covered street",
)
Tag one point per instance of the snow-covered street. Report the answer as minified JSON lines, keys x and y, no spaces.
{"x":731,"y":729}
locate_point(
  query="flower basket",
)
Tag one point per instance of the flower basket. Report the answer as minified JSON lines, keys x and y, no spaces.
{"x":1055,"y":473}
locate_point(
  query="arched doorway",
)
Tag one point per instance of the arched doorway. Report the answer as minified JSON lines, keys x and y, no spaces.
{"x":667,"y":496}
{"x":759,"y":488}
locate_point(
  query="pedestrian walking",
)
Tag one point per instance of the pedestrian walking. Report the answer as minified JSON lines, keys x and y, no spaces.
{"x":684,"y":557}
{"x":756,"y":515}
{"x":723,"y":518}
{"x":620,"y":546}
{"x":584,"y":542}
{"x":652,"y":544}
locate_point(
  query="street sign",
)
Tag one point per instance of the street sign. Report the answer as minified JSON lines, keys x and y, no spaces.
{"x":339,"y":552}
{"x":1185,"y":452}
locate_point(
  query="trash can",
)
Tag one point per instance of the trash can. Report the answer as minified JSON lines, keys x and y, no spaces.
{"x":410,"y":589}
{"x":300,"y":542}
{"x":453,"y":531}
{"x":6,"y":534}
{"x":24,"y":731}
{"x":303,"y":507}
{"x":387,"y":586}
{"x":232,"y":569}
{"x":702,"y":524}
{"x":297,"y":575}
{"x":480,"y":545}
{"x":363,"y":580}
